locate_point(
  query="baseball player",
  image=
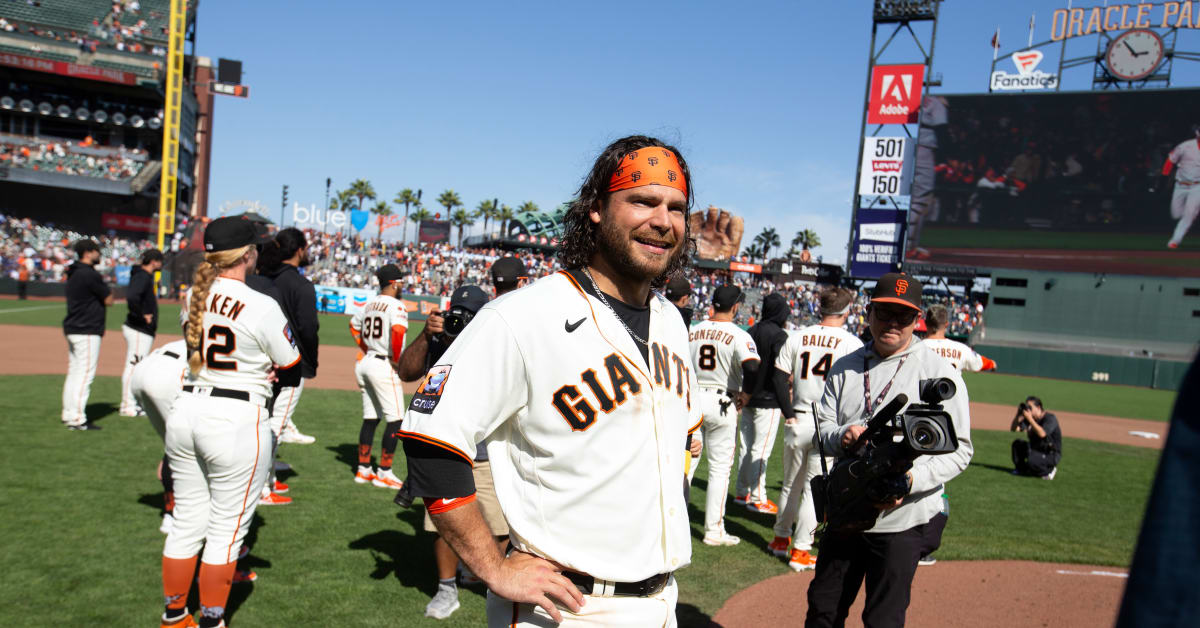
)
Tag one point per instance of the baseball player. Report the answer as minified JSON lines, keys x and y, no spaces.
{"x":140,"y":323}
{"x":806,"y":358}
{"x":155,"y":382}
{"x":721,"y":351}
{"x":87,"y":296}
{"x":760,"y":418}
{"x":218,"y":438}
{"x":1185,"y":200}
{"x":961,"y":357}
{"x":582,"y":389}
{"x":378,"y":329}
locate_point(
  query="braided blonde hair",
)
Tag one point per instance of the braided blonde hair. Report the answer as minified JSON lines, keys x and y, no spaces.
{"x":206,"y":273}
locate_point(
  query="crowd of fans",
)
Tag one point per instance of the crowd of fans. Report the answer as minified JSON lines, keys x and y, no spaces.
{"x":124,"y":28}
{"x":44,"y":251}
{"x":116,"y":164}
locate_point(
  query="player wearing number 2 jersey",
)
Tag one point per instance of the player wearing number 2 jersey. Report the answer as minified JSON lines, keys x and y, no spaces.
{"x":218,"y":439}
{"x":720,"y":352}
{"x":378,"y":329}
{"x":806,"y":358}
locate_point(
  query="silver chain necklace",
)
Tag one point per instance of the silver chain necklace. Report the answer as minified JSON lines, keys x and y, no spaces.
{"x":600,"y":293}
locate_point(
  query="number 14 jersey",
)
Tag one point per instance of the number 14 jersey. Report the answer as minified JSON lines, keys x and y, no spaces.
{"x":808,"y":355}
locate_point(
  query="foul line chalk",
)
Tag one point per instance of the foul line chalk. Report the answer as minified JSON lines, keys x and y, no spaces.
{"x":30,"y":309}
{"x":1150,"y":435}
{"x":1111,"y":574}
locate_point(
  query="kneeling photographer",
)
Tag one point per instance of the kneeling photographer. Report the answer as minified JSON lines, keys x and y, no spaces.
{"x":895,"y":414}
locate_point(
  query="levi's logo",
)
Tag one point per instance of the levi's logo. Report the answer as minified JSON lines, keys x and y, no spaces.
{"x":429,"y":391}
{"x":1027,"y":61}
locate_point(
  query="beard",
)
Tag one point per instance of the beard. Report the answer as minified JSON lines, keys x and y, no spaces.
{"x":618,"y":249}
{"x":304,"y":258}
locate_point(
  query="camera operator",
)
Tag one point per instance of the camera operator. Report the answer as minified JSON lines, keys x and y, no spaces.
{"x":418,"y":358}
{"x":857,"y":387}
{"x":1039,"y":456}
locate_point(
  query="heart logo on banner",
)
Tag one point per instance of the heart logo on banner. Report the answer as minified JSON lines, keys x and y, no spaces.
{"x":359,"y":218}
{"x":1026,"y":61}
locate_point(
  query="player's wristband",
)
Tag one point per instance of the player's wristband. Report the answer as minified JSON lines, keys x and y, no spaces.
{"x":446,"y":504}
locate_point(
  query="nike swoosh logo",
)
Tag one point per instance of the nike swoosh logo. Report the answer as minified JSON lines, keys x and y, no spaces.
{"x":448,"y":501}
{"x":570,"y":327}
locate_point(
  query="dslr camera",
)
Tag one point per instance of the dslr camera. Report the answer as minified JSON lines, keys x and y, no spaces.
{"x":874,"y":471}
{"x":454,"y":321}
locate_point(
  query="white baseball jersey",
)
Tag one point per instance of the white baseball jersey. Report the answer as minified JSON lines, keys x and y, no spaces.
{"x":581,"y":430}
{"x":157,"y":380}
{"x":244,"y":333}
{"x":961,"y":357}
{"x":808,"y":355}
{"x":381,"y":325}
{"x":719,"y":350}
{"x":1186,"y":158}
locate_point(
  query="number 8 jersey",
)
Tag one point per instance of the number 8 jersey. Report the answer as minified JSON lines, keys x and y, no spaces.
{"x":719,"y":349}
{"x":245,"y":332}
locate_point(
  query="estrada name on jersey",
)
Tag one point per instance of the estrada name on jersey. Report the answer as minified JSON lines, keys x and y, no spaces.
{"x":808,"y":355}
{"x":245,"y":333}
{"x":719,"y":349}
{"x":379,"y":327}
{"x":581,"y":430}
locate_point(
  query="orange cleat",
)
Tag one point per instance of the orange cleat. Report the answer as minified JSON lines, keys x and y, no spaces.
{"x":767,"y":508}
{"x":779,"y":546}
{"x":244,"y":575}
{"x":280,"y":487}
{"x":801,"y":560}
{"x":187,"y":621}
{"x":273,"y":499}
{"x":364,"y":475}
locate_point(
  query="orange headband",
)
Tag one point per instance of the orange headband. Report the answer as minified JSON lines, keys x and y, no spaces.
{"x":652,"y":165}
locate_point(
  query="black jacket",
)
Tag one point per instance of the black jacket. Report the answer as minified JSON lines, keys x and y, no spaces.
{"x":140,"y":296}
{"x":768,"y":336}
{"x":86,"y":293}
{"x":298,"y":300}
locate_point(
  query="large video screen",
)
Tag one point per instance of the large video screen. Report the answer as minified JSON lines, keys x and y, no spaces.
{"x":1067,"y":181}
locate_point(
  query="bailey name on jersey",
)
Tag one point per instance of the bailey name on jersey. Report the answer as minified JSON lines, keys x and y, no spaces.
{"x":820,"y":340}
{"x":578,"y":409}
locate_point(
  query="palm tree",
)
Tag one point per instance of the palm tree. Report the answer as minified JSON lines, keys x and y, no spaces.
{"x":767,"y":240}
{"x":420,"y":214}
{"x":806,"y":239}
{"x":528,"y":206}
{"x":449,"y":199}
{"x":406,"y":198}
{"x":792,"y":253}
{"x":362,"y":189}
{"x":342,"y":200}
{"x":380,"y":210}
{"x":487,"y":211}
{"x":754,"y":251}
{"x":504,"y":214}
{"x":461,"y":218}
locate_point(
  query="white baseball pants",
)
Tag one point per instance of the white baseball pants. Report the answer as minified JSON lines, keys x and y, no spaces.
{"x":756,"y":436}
{"x":137,"y":345}
{"x":599,"y":611}
{"x":156,"y":381}
{"x":720,"y":431}
{"x":83,"y":354}
{"x":381,"y":389}
{"x":285,"y":407}
{"x":801,"y":463}
{"x":219,"y":451}
{"x":1185,"y":205}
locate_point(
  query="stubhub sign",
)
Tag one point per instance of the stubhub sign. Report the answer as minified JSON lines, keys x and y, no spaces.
{"x":879,"y":232}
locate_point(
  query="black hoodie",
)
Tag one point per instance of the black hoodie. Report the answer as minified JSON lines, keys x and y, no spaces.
{"x":298,"y":300}
{"x":139,"y":294}
{"x":86,"y":293}
{"x":768,"y":336}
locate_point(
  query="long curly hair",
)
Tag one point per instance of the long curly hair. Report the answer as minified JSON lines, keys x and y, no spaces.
{"x":202,"y":281}
{"x":580,"y":233}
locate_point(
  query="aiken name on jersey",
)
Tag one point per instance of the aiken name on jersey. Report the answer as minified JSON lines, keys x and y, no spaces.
{"x":578,"y":403}
{"x":225,"y":306}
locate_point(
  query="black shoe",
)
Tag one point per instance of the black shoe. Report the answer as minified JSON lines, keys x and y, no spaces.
{"x":86,"y":427}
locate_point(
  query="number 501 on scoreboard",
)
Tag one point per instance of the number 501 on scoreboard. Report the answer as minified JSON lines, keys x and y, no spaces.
{"x":886,"y":163}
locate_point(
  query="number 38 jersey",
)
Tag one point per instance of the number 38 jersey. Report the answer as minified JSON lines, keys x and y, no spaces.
{"x":719,"y":349}
{"x":245,"y":332}
{"x":808,"y":355}
{"x":380,"y":326}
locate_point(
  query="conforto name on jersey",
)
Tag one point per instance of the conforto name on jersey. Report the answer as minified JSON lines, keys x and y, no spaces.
{"x":710,"y":334}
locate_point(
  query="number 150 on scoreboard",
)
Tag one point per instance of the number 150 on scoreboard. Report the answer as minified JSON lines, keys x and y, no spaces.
{"x":886,"y":163}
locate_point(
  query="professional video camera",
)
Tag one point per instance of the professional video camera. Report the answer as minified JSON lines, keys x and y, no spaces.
{"x":874,"y":471}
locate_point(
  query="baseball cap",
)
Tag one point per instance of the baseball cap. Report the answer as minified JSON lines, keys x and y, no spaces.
{"x":469,"y":298}
{"x":508,"y":270}
{"x":726,"y":296}
{"x":232,"y":232}
{"x":898,"y":288}
{"x":389,"y":273}
{"x":678,"y":287}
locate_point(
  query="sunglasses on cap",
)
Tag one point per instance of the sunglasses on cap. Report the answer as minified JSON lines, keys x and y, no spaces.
{"x":905,"y":316}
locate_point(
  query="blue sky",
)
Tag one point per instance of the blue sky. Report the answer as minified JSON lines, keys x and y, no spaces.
{"x":513,"y":100}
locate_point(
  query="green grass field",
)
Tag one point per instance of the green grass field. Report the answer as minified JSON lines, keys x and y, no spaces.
{"x":334,"y":331}
{"x":81,"y":541}
{"x":1130,"y":402}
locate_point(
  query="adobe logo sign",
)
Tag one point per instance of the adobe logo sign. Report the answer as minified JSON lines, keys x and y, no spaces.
{"x":895,"y":94}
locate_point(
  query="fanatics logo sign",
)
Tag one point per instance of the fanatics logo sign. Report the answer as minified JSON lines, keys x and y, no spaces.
{"x":893,"y":97}
{"x":895,"y":94}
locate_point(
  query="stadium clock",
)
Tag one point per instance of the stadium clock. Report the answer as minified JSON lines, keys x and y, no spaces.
{"x":1134,"y":54}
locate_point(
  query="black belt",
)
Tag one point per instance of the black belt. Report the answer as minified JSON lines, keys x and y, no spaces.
{"x":171,"y":354}
{"x":644,"y":588}
{"x":223,"y":392}
{"x":379,"y":356}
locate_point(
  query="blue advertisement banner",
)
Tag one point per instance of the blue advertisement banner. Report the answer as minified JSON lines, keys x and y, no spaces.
{"x":878,"y":242}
